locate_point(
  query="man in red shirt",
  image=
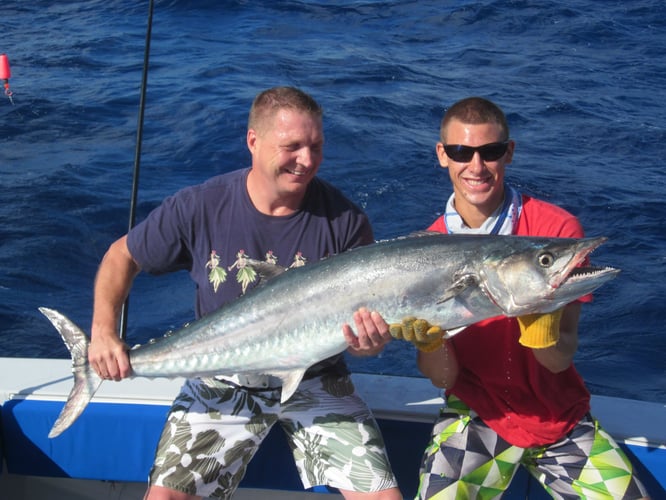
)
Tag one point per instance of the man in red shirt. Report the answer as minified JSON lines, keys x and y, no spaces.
{"x":513,"y":394}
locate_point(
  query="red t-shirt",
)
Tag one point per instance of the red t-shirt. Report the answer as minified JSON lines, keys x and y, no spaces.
{"x":526,"y":404}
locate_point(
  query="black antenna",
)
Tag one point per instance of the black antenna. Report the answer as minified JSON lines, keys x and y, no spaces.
{"x":137,"y":153}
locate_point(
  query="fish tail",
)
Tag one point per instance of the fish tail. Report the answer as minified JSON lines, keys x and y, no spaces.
{"x":86,"y":381}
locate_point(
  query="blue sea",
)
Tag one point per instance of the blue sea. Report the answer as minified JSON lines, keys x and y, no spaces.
{"x":583,"y":84}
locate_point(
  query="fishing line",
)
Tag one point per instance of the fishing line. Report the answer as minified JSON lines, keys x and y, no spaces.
{"x":137,"y":152}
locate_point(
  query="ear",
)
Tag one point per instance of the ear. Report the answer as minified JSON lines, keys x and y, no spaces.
{"x":441,"y":155}
{"x":251,"y":139}
{"x":508,"y":158}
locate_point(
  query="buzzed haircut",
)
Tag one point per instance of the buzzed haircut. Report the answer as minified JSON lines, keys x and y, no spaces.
{"x":475,"y":111}
{"x":270,"y":101}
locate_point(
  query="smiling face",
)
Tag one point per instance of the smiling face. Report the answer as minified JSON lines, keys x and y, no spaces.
{"x":478,"y":185}
{"x":287,"y":149}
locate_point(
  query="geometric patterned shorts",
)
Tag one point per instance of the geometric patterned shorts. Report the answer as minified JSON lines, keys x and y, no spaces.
{"x":214,"y":428}
{"x":466,"y":459}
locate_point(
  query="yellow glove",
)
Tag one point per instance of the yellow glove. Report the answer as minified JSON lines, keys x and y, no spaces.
{"x":426,"y":337}
{"x":539,"y":331}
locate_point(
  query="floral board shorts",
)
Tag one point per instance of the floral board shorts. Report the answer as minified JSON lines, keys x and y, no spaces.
{"x":465,"y":459}
{"x":214,"y":429}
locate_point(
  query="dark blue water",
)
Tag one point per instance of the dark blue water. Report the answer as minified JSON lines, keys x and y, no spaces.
{"x":583,"y":84}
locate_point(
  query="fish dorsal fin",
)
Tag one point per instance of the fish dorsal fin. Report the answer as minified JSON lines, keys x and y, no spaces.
{"x":458,"y":287}
{"x":290,"y":381}
{"x":423,"y":233}
{"x":415,"y":234}
{"x":265,"y":270}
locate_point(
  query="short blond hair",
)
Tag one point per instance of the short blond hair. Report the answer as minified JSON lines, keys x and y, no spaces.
{"x":270,"y":101}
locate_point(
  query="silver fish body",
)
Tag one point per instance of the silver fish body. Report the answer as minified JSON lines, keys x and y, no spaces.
{"x":294,"y":319}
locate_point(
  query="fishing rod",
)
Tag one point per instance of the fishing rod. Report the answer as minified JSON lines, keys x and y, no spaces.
{"x":137,"y":152}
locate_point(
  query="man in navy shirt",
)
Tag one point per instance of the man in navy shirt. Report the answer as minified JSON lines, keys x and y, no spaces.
{"x":279,"y":211}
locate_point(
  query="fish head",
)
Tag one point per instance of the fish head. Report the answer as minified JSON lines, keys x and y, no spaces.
{"x":529,"y":275}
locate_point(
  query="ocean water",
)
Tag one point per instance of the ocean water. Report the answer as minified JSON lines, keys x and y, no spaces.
{"x":582,"y":83}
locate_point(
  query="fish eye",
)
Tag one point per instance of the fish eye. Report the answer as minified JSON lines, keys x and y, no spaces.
{"x":546,"y":259}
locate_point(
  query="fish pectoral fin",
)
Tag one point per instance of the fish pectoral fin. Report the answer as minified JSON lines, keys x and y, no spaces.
{"x":458,"y":287}
{"x":265,"y":270}
{"x":290,"y":382}
{"x":454,"y":331}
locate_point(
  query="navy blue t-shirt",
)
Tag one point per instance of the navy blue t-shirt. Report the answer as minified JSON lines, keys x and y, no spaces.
{"x":210,"y":228}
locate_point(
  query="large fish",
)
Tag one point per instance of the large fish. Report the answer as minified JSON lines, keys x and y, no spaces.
{"x":294,"y":318}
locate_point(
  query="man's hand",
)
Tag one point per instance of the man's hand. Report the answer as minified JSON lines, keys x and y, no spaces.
{"x":425,"y":336}
{"x":107,"y":354}
{"x":372,"y":333}
{"x":539,"y":331}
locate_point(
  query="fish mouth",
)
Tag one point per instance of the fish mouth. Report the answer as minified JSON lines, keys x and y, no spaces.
{"x":574,"y":274}
{"x":589,"y":272}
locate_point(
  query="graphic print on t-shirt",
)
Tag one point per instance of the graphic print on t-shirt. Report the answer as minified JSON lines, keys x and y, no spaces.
{"x":217,"y":274}
{"x":245,"y":273}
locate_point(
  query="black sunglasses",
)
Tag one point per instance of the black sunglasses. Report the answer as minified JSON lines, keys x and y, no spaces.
{"x":488,"y":152}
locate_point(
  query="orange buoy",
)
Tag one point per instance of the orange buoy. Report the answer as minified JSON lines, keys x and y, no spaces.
{"x":5,"y":73}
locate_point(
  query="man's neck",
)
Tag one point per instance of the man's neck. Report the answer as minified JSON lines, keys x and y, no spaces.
{"x":269,"y":201}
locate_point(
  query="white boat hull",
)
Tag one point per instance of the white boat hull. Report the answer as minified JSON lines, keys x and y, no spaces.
{"x":125,"y":420}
